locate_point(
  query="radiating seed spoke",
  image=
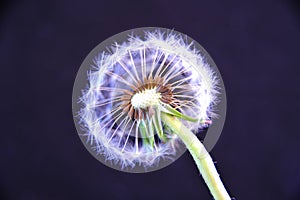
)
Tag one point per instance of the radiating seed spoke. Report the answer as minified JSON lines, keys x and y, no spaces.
{"x":153,"y":64}
{"x":128,"y":72}
{"x":166,"y":67}
{"x":121,"y":79}
{"x":128,"y":134}
{"x":114,"y":133}
{"x":134,"y":67}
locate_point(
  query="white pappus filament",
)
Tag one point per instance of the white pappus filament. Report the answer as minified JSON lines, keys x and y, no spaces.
{"x":129,"y":88}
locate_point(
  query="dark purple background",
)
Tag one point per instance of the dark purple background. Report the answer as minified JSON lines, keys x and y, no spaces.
{"x":255,"y":45}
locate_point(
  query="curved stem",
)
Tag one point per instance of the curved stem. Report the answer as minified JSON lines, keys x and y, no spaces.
{"x":201,"y":156}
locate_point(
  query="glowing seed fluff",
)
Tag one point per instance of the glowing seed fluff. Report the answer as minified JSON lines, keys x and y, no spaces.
{"x":132,"y":84}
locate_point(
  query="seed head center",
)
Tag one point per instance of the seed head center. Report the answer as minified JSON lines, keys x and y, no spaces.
{"x":146,"y":98}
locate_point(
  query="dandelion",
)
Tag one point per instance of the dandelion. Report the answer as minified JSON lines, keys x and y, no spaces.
{"x":145,"y":97}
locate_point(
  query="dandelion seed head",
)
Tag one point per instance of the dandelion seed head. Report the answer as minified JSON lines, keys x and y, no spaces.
{"x":131,"y":83}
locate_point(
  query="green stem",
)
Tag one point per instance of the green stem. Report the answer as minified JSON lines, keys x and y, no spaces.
{"x":201,"y":156}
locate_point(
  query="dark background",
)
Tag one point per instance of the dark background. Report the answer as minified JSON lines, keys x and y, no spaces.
{"x":255,"y":44}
